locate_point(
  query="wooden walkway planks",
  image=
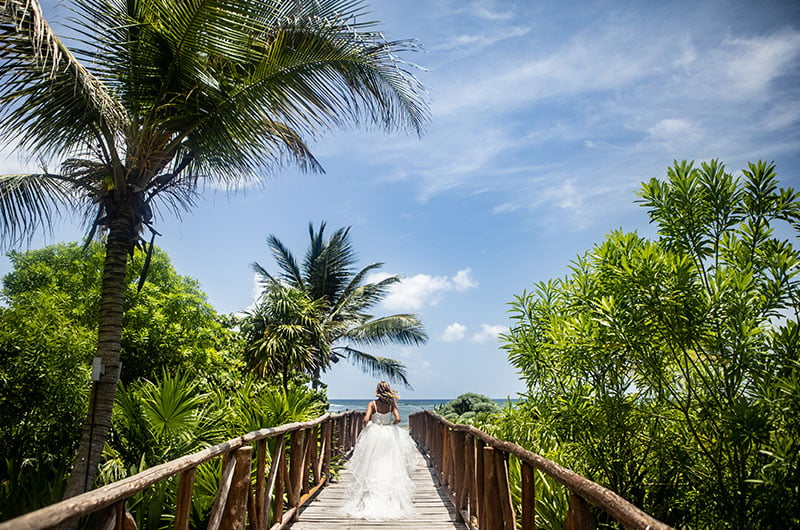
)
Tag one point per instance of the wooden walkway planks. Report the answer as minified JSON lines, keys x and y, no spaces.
{"x":434,"y":509}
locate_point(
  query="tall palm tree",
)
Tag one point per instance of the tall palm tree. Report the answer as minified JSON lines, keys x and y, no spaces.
{"x":285,"y":334}
{"x":158,"y":97}
{"x":328,"y":274}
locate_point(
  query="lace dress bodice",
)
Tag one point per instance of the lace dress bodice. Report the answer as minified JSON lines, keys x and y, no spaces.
{"x":382,"y":418}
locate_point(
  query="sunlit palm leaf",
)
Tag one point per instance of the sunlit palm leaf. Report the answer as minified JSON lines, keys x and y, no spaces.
{"x":381,"y":367}
{"x":395,"y":329}
{"x":328,"y":276}
{"x":29,"y":202}
{"x":286,"y":263}
{"x":49,"y":102}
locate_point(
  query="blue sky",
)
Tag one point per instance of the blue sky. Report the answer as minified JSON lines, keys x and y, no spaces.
{"x":546,"y":117}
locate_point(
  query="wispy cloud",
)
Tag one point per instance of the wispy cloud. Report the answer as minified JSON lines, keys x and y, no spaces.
{"x":489,"y":333}
{"x":456,"y":332}
{"x":414,"y":292}
{"x":479,"y":41}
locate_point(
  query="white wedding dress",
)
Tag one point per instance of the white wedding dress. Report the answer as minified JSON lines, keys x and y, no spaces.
{"x":382,"y":461}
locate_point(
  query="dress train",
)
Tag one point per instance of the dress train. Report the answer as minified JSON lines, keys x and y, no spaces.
{"x":381,"y":465}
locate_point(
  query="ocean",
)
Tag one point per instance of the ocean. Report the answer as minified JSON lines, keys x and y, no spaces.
{"x":404,"y":406}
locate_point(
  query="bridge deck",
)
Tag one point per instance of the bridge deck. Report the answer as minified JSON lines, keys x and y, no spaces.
{"x":434,"y":509}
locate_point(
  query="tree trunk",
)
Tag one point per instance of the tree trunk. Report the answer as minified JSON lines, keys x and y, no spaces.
{"x":112,"y":298}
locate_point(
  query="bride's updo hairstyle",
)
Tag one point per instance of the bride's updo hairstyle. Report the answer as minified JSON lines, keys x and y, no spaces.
{"x":385,"y":393}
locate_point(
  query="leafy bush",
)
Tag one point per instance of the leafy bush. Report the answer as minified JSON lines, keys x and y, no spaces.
{"x":668,"y":369}
{"x":468,"y":408}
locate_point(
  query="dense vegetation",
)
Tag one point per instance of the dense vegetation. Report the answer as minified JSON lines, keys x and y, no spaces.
{"x":667,"y":370}
{"x":467,"y":408}
{"x":189,"y":384}
{"x":154,"y":102}
{"x":48,"y":336}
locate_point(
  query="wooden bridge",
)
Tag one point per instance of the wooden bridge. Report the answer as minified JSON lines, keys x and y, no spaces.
{"x":286,"y":477}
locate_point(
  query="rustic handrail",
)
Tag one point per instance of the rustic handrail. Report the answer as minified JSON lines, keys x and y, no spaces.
{"x":473,"y":467}
{"x":297,"y":469}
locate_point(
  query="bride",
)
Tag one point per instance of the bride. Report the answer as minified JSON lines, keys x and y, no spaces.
{"x":382,"y":461}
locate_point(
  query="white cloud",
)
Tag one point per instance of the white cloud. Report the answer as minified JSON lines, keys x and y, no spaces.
{"x":463,"y":280}
{"x":489,"y":333}
{"x":454,"y":332}
{"x":414,"y":292}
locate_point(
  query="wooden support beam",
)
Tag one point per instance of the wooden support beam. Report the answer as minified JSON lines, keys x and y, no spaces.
{"x":228,"y":466}
{"x":327,"y":430}
{"x":461,"y":479}
{"x":271,"y":481}
{"x":472,"y":485}
{"x":528,"y":507}
{"x":480,"y":482}
{"x":235,"y":512}
{"x":281,"y":484}
{"x":579,"y":516}
{"x":308,"y":447}
{"x":504,"y":490}
{"x":296,"y":459}
{"x":260,"y":497}
{"x":183,"y":504}
{"x":493,"y":513}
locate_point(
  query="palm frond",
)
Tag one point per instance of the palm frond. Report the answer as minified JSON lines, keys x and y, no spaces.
{"x":328,"y":265}
{"x":382,"y":367}
{"x":287,"y":263}
{"x":29,"y":202}
{"x":402,"y":329}
{"x":360,"y":277}
{"x":49,"y":102}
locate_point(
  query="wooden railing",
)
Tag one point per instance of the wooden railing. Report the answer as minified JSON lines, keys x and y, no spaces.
{"x":299,"y":465}
{"x":473,"y":468}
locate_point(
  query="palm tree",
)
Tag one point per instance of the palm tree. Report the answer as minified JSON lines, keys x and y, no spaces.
{"x":161,"y":96}
{"x":285,"y":334}
{"x":328,"y":274}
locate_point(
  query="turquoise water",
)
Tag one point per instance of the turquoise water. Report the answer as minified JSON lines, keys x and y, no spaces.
{"x":404,"y":406}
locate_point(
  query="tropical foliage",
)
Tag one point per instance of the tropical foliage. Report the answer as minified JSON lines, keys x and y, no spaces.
{"x":469,"y":407}
{"x":668,"y":370}
{"x":172,"y":416}
{"x":325,"y":306}
{"x":159,"y":98}
{"x":47,"y":340}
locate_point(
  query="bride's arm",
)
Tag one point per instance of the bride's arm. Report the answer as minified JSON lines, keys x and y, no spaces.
{"x":368,"y":414}
{"x":396,"y":414}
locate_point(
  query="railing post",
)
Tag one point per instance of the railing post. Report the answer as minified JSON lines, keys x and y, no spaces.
{"x":469,"y":452}
{"x":460,"y":473}
{"x":234,"y":516}
{"x":492,"y":518}
{"x":326,"y":454}
{"x":296,"y":459}
{"x":579,"y":516}
{"x":261,"y":465}
{"x":445,"y":463}
{"x":504,"y":490}
{"x":480,"y":482}
{"x":528,"y":507}
{"x":308,"y":447}
{"x":281,"y":482}
{"x":217,"y":510}
{"x":183,"y":503}
{"x":123,"y":520}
